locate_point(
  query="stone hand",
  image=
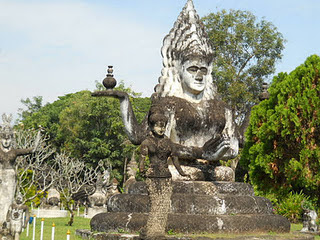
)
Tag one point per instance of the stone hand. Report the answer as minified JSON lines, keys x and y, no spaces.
{"x":110,"y":93}
{"x":216,"y":148}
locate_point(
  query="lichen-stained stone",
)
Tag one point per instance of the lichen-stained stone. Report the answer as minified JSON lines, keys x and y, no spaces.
{"x":185,"y":223}
{"x":199,"y":187}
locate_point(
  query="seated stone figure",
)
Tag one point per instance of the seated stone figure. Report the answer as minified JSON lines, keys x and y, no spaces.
{"x":187,"y":95}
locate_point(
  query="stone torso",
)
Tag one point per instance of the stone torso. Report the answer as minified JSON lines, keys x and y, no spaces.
{"x":193,"y":124}
{"x":159,"y":150}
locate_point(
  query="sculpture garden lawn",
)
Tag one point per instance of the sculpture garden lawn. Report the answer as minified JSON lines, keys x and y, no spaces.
{"x":61,"y":228}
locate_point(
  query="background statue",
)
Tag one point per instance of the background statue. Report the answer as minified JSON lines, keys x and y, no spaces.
{"x":309,"y":221}
{"x":187,"y":94}
{"x":17,"y":217}
{"x":8,"y":155}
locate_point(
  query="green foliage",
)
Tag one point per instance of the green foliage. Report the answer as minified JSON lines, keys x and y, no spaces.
{"x":246,"y":52}
{"x":291,"y":206}
{"x":89,"y":128}
{"x":282,"y":151}
{"x":33,"y":105}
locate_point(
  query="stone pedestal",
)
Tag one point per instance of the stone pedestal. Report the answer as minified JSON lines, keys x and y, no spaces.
{"x":94,"y":211}
{"x":195,"y":207}
{"x":49,"y":213}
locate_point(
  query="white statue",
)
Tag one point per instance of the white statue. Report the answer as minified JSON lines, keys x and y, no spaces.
{"x":8,"y":155}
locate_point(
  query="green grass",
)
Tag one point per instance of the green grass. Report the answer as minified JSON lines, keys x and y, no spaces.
{"x":60,"y":229}
{"x":83,"y":223}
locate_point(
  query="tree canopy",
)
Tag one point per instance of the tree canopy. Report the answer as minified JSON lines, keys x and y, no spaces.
{"x":89,"y":128}
{"x":246,"y":52}
{"x":282,"y":150}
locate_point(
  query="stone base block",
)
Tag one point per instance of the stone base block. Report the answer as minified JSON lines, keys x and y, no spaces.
{"x":200,"y":188}
{"x":48,"y":213}
{"x":194,"y":204}
{"x":185,"y":223}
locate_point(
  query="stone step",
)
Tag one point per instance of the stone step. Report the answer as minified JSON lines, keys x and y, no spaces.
{"x":200,"y":187}
{"x":186,"y":223}
{"x":194,"y":204}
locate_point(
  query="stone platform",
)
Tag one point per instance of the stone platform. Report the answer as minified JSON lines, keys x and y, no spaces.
{"x":49,"y":213}
{"x":86,"y":234}
{"x":196,"y":207}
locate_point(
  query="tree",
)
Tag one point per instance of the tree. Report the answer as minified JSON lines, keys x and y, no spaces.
{"x":73,"y":175}
{"x":35,"y":176}
{"x":282,"y":151}
{"x":246,"y":52}
{"x":89,"y":128}
{"x":33,"y":105}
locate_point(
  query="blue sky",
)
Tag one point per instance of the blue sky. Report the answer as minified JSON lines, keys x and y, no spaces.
{"x":50,"y":48}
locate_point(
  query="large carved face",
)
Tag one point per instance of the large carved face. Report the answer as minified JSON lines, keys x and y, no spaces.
{"x":193,"y":75}
{"x":6,"y":141}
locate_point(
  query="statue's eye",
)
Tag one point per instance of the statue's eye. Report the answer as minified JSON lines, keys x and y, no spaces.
{"x":192,"y":69}
{"x":204,"y":70}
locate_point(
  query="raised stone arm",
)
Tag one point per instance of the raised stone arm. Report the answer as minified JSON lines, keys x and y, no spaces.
{"x":135,"y":132}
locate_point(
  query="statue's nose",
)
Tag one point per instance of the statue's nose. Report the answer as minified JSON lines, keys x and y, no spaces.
{"x":199,"y":76}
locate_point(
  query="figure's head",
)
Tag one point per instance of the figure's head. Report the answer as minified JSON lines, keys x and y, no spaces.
{"x":6,"y":141}
{"x":194,"y":75}
{"x":19,"y":198}
{"x":6,"y":133}
{"x":158,"y":123}
{"x":187,"y":59}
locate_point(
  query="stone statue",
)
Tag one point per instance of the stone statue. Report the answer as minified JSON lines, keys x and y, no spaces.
{"x":99,"y":198}
{"x":189,"y":124}
{"x":113,"y":189}
{"x":131,"y":171}
{"x":309,"y":221}
{"x":53,"y":198}
{"x":187,"y":94}
{"x":158,"y":148}
{"x":8,"y":155}
{"x":17,"y":217}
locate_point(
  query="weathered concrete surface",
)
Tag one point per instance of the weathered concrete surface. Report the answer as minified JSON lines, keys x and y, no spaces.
{"x":49,"y":213}
{"x":195,"y":207}
{"x":194,"y":204}
{"x":86,"y":234}
{"x":186,"y":223}
{"x":199,"y":187}
{"x":7,"y":190}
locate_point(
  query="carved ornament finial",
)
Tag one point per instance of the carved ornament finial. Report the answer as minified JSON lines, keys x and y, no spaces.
{"x":109,"y":82}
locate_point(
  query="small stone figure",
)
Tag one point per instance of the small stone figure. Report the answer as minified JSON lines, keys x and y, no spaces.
{"x":17,"y":217}
{"x":99,"y":198}
{"x":8,"y":155}
{"x":113,"y":190}
{"x":158,"y":148}
{"x":309,"y":221}
{"x":53,"y":198}
{"x":131,"y":171}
